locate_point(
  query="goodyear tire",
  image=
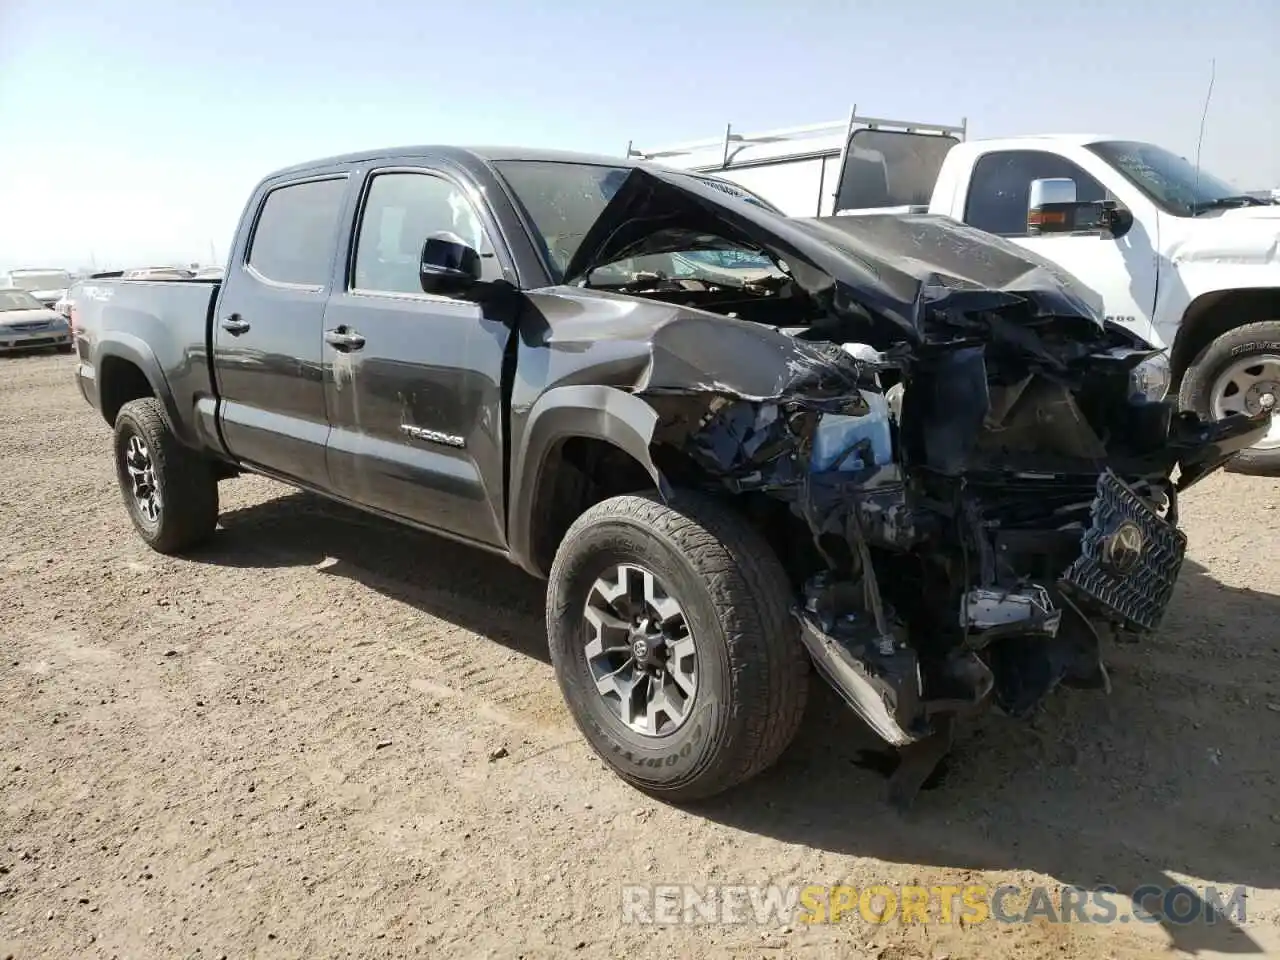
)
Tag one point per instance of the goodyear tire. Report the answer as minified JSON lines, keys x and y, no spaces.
{"x":733,"y":655}
{"x":1225,"y":366}
{"x":170,"y":491}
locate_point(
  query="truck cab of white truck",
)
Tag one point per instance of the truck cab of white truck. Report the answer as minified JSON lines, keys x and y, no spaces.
{"x":1170,"y":251}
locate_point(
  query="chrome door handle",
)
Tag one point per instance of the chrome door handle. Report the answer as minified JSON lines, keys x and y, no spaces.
{"x":235,"y":325}
{"x":342,"y":339}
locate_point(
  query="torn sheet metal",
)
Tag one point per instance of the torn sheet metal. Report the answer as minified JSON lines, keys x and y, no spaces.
{"x":876,"y":673}
{"x":696,"y":353}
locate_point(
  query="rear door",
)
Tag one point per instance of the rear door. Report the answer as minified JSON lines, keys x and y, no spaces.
{"x":416,"y":404}
{"x":267,"y":331}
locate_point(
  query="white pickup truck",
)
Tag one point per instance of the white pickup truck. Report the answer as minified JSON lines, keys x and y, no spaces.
{"x":1172,"y":252}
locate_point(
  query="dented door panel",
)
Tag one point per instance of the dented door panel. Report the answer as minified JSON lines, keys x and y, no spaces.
{"x":416,"y":412}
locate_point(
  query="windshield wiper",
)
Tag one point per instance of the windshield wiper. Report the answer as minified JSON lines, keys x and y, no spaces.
{"x":1240,"y":200}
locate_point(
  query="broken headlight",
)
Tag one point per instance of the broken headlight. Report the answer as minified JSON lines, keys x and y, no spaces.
{"x":1151,"y":378}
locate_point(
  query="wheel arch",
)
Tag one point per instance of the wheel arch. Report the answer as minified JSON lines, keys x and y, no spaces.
{"x":580,"y":444}
{"x":127,"y":370}
{"x":1210,"y":315}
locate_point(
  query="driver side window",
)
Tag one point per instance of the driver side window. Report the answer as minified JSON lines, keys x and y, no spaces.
{"x":401,"y":210}
{"x":1001,"y":188}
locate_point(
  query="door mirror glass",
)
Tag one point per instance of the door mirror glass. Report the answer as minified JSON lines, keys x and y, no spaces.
{"x":448,"y":265}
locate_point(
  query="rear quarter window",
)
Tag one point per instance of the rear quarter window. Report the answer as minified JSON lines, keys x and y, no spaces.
{"x":296,"y":232}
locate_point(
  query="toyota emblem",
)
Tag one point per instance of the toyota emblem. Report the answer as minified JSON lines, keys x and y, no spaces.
{"x":1123,"y":549}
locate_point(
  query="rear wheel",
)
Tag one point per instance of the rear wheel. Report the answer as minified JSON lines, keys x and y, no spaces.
{"x":1240,"y":373}
{"x":169,"y":490}
{"x":674,"y":645}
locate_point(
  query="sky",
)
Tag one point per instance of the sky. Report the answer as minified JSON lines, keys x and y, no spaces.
{"x":132,"y":131}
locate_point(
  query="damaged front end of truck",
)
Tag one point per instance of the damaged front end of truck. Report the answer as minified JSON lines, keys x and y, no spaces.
{"x":988,"y":471}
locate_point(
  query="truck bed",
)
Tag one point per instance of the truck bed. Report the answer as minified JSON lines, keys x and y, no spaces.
{"x":160,"y":326}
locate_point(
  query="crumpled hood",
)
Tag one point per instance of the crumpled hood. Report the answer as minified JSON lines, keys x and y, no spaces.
{"x":910,"y":271}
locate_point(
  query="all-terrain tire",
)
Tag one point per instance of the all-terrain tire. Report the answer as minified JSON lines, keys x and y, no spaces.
{"x":1197,"y":385}
{"x":188,"y":490}
{"x":753,"y":671}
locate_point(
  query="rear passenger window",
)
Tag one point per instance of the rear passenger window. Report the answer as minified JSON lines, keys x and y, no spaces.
{"x":296,"y":232}
{"x":401,"y":211}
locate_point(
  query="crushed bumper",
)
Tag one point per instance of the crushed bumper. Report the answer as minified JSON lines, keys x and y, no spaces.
{"x":1124,"y":575}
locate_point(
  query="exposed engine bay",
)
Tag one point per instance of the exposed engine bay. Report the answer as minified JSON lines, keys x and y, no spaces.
{"x":988,"y":473}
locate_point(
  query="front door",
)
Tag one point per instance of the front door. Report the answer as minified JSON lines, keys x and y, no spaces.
{"x":1120,"y":272}
{"x":267,"y":332}
{"x":413,"y":381}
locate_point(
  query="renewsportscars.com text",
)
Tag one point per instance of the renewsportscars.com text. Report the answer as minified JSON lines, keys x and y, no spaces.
{"x":675,"y":904}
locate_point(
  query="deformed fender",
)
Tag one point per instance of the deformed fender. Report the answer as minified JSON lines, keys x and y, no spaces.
{"x":588,"y":411}
{"x":126,"y":346}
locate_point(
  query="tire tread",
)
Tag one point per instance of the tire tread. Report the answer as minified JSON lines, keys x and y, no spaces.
{"x":769,"y":669}
{"x":190,"y":511}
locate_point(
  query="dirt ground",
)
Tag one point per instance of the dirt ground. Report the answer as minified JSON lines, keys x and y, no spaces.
{"x":325,"y":736}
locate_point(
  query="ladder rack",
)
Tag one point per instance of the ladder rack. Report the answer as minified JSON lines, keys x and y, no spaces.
{"x":782,"y":135}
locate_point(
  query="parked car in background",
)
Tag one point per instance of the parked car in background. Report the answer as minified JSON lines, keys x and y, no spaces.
{"x":27,"y":324}
{"x":1170,"y":251}
{"x":46,"y":285}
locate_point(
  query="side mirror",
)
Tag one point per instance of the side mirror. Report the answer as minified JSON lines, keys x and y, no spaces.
{"x":1116,"y":220}
{"x":448,"y":265}
{"x":1056,"y":190}
{"x":1052,"y":208}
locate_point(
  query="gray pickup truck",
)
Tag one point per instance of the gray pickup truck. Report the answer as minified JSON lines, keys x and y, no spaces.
{"x":738,"y":446}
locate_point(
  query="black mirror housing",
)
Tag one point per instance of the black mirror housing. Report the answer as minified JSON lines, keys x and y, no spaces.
{"x":448,"y":265}
{"x":1117,"y":220}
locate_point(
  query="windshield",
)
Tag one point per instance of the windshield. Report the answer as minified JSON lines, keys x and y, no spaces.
{"x":563,"y":200}
{"x":1168,"y":179}
{"x":42,"y":280}
{"x":18,"y":300}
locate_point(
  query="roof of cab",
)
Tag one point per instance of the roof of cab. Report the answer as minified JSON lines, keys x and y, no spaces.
{"x":467,"y":156}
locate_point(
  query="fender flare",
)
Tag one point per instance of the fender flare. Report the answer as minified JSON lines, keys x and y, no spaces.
{"x":584,"y":411}
{"x":125,"y":346}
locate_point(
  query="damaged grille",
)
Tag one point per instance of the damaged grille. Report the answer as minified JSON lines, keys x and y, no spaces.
{"x":1130,"y":557}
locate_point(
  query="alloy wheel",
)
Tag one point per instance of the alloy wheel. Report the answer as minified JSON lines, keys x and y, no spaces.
{"x":142,"y":479}
{"x":640,"y":653}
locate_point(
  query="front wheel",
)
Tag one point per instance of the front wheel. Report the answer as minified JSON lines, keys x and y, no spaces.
{"x":170,"y":491}
{"x":1239,"y":372}
{"x":674,"y":645}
